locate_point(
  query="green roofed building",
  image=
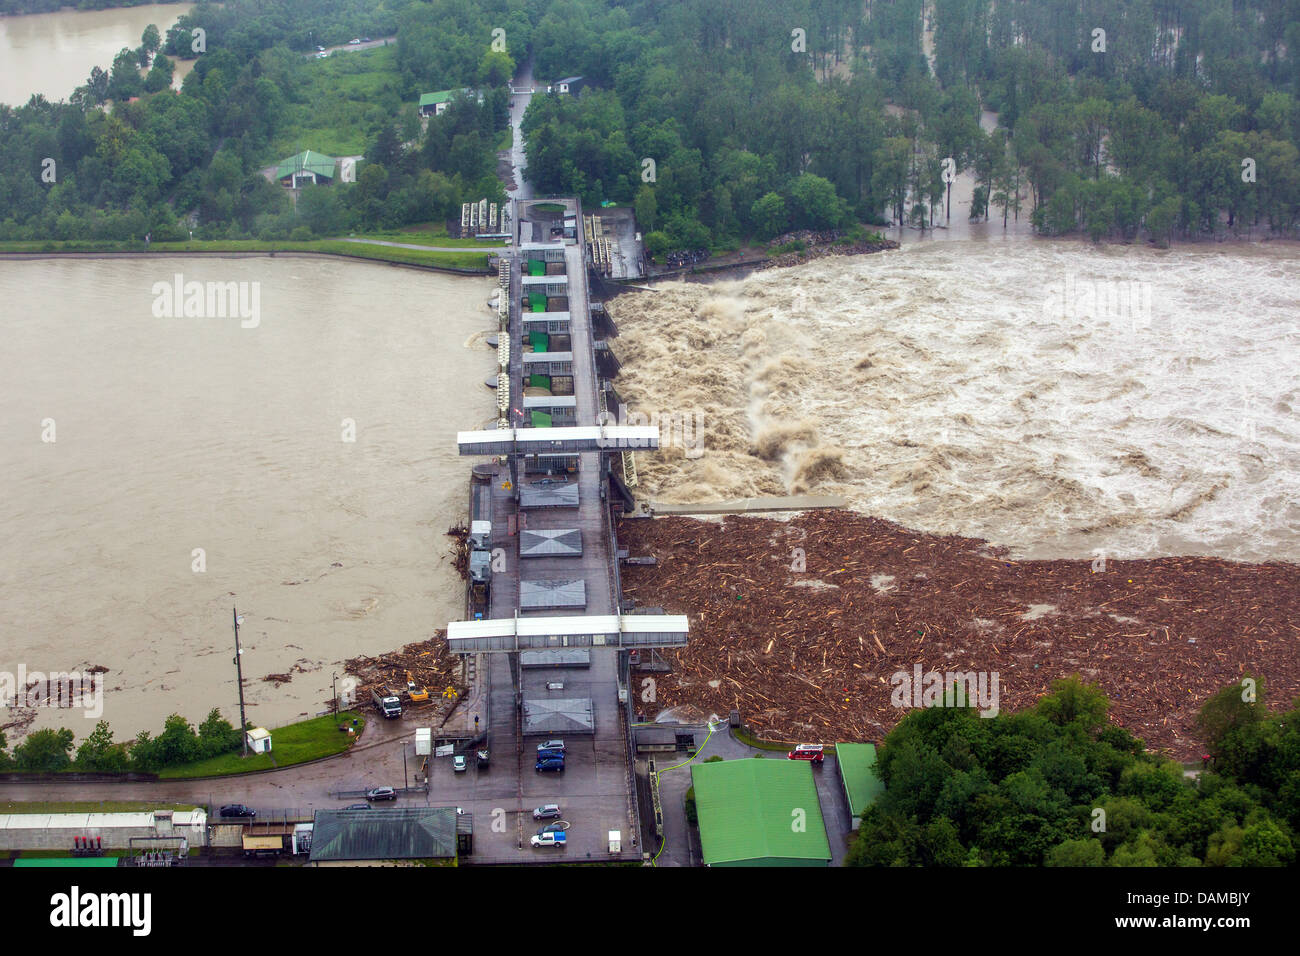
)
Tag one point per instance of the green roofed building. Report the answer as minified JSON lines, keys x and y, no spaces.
{"x":307,"y":168}
{"x":536,"y":302}
{"x":747,"y":811}
{"x":433,"y":104}
{"x":106,"y":862}
{"x":857,"y":763}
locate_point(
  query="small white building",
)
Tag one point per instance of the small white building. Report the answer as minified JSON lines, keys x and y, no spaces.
{"x":259,"y":740}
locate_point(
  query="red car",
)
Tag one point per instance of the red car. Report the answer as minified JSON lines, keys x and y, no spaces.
{"x":811,"y":752}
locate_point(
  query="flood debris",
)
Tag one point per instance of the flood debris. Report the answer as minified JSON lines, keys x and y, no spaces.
{"x":807,"y":662}
{"x":459,"y":548}
{"x":429,"y":663}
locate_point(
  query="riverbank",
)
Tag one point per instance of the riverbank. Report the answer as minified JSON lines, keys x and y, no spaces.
{"x":468,"y":262}
{"x":791,"y":249}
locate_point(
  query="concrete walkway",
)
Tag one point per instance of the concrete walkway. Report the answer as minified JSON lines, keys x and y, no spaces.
{"x":412,"y":245}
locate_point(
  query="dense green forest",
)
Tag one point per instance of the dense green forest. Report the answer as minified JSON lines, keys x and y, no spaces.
{"x":1025,"y":789}
{"x":1148,"y":137}
{"x":720,"y":120}
{"x":165,"y":163}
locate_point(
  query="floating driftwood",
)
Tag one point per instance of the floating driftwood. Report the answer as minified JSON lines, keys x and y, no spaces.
{"x":1159,"y":636}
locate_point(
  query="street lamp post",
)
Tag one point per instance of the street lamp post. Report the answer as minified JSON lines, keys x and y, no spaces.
{"x":334,"y":678}
{"x":239,"y":678}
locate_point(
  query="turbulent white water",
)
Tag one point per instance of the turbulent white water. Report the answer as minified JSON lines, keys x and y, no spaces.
{"x":1054,"y":397}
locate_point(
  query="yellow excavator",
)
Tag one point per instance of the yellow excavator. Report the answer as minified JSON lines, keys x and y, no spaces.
{"x":417,"y":695}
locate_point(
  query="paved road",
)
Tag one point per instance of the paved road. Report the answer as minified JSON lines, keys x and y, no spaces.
{"x":411,"y":245}
{"x":376,"y":760}
{"x":353,"y":47}
{"x":518,"y":106}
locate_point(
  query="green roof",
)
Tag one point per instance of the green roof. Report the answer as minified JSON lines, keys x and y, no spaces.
{"x":537,"y":302}
{"x":536,"y":267}
{"x":861,"y":785}
{"x":442,"y":96}
{"x":540,"y":341}
{"x":540,"y":419}
{"x":405,"y":833}
{"x":306,"y":161}
{"x":66,"y":861}
{"x":747,"y":812}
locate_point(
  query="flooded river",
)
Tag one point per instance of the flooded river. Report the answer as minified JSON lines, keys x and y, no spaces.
{"x":178,"y":434}
{"x":53,"y":53}
{"x":1054,"y":397}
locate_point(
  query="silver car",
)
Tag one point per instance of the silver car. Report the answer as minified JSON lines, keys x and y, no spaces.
{"x":550,"y":811}
{"x":556,"y":745}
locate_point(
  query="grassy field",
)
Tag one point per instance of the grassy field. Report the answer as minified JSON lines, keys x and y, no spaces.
{"x":296,"y":743}
{"x":425,"y":235}
{"x":337,"y":102}
{"x":89,"y":806}
{"x":469,"y":259}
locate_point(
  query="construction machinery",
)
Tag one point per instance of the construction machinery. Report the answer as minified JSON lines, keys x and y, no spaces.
{"x":418,"y":695}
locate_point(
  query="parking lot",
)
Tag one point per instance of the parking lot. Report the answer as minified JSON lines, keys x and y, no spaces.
{"x":590,"y":793}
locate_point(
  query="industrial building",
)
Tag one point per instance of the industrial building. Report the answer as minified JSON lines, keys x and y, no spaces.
{"x":154,"y":829}
{"x":398,"y":836}
{"x":759,"y":812}
{"x":857,"y":765}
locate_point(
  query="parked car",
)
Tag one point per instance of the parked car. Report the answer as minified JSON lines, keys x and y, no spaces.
{"x":358,"y":806}
{"x":550,"y":755}
{"x":811,"y":752}
{"x":381,"y":793}
{"x":551,"y":765}
{"x":548,"y":839}
{"x":365,"y":39}
{"x":549,"y":811}
{"x":559,"y":826}
{"x":354,"y":41}
{"x":458,"y":763}
{"x":322,"y":56}
{"x":320,"y":49}
{"x":237,"y":810}
{"x":556,"y":745}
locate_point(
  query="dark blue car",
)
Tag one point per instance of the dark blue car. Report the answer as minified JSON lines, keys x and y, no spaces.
{"x":555,"y":764}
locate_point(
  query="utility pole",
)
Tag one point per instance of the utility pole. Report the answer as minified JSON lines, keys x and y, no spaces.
{"x":239,"y":678}
{"x":334,"y":678}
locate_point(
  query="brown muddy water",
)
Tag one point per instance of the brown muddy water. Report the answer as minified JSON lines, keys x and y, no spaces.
{"x":176,"y":434}
{"x":1060,"y":399}
{"x":53,"y":53}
